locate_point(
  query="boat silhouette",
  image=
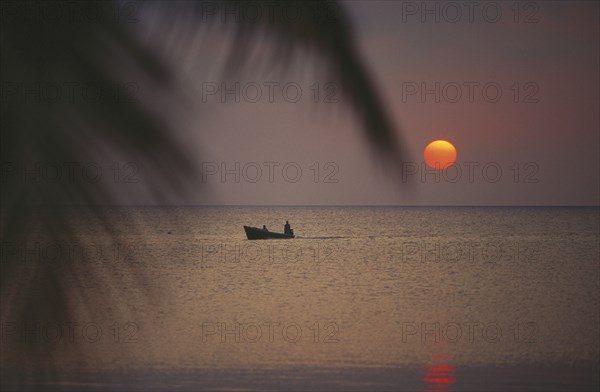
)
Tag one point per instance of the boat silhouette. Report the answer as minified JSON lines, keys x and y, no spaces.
{"x":254,"y":233}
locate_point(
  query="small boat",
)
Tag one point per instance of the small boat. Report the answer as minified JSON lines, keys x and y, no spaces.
{"x":254,"y":233}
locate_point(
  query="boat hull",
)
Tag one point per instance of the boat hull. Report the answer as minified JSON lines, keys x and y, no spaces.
{"x":254,"y":233}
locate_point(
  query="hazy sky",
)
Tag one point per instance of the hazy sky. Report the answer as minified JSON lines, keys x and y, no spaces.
{"x":517,"y":93}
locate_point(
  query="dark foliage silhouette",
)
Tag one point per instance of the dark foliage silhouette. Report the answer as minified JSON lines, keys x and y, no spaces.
{"x":40,"y":45}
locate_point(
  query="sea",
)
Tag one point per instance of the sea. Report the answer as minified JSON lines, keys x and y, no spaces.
{"x":363,"y":299}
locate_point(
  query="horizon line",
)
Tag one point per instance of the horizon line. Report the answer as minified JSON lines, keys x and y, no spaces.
{"x":331,"y":205}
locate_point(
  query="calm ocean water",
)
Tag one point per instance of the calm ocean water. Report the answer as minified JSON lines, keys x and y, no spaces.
{"x":365,"y":298}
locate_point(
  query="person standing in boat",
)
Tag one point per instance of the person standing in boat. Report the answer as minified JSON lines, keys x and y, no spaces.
{"x":287,"y":229}
{"x":265,"y":228}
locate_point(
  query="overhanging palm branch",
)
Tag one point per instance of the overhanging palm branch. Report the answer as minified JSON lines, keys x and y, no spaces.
{"x":39,"y":49}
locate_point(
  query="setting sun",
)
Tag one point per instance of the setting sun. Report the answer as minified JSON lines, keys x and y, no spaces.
{"x":440,"y":154}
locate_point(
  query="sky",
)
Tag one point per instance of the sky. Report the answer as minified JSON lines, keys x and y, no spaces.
{"x":514,"y":88}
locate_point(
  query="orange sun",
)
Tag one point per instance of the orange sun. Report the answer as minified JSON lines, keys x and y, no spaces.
{"x":440,"y":154}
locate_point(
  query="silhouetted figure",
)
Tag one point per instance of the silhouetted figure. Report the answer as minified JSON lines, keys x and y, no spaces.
{"x":287,"y":229}
{"x":265,"y":228}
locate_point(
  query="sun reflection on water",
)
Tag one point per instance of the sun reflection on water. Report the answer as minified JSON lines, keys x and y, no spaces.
{"x":439,"y":375}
